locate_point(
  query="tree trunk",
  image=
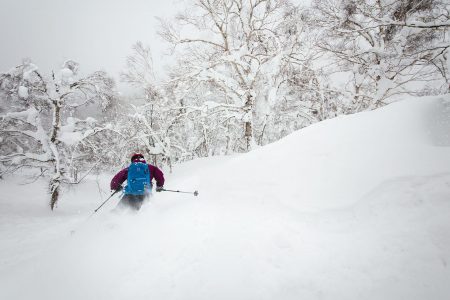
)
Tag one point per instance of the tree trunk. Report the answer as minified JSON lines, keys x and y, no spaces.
{"x":54,"y":191}
{"x":56,"y":179}
{"x":248,"y":125}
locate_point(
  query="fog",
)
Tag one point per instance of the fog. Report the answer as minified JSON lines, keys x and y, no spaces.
{"x":96,"y":33}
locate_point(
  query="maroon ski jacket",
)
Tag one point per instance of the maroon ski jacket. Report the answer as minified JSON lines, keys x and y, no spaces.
{"x":155,"y":173}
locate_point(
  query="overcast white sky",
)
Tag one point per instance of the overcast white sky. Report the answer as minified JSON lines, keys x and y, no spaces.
{"x":96,"y":33}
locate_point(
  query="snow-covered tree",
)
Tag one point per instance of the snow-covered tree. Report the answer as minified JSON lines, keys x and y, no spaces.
{"x":146,"y":120}
{"x":39,"y":127}
{"x":236,"y":60}
{"x":385,"y":47}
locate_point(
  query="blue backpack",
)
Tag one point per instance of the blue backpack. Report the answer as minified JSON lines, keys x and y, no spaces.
{"x":138,"y":181}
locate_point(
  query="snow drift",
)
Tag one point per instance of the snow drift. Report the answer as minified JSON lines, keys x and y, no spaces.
{"x":351,"y":208}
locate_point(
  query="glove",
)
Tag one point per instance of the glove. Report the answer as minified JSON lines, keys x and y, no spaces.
{"x":119,"y":188}
{"x":159,"y":188}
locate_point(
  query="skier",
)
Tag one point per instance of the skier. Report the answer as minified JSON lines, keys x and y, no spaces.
{"x":139,"y":176}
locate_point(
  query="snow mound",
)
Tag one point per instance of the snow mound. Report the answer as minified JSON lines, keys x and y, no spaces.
{"x":351,"y":208}
{"x":335,"y":163}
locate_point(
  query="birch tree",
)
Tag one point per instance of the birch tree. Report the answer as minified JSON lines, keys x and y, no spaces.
{"x":39,"y":129}
{"x":147,"y":121}
{"x":387,"y":47}
{"x":236,"y":52}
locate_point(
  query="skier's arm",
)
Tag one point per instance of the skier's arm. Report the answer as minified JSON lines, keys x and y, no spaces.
{"x":157,"y":174}
{"x":118,"y":179}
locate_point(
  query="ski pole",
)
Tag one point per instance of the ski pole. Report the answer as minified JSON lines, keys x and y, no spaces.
{"x":195,"y":193}
{"x":72,"y":232}
{"x":115,"y":192}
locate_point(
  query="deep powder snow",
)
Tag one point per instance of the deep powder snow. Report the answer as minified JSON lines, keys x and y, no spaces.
{"x":351,"y":208}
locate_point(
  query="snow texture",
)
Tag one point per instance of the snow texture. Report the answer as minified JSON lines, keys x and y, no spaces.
{"x":351,"y":208}
{"x":23,"y":92}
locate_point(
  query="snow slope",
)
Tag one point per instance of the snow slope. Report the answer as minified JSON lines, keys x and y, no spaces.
{"x":351,"y":208}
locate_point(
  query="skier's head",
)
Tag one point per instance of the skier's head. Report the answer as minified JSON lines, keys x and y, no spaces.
{"x":137,"y":157}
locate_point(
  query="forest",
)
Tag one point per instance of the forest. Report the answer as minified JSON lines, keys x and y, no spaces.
{"x":245,"y":74}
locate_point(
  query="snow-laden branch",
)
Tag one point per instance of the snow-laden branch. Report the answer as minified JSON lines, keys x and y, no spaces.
{"x":36,"y":129}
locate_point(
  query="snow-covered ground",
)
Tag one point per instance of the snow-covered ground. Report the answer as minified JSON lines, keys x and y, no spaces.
{"x":357,"y":207}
